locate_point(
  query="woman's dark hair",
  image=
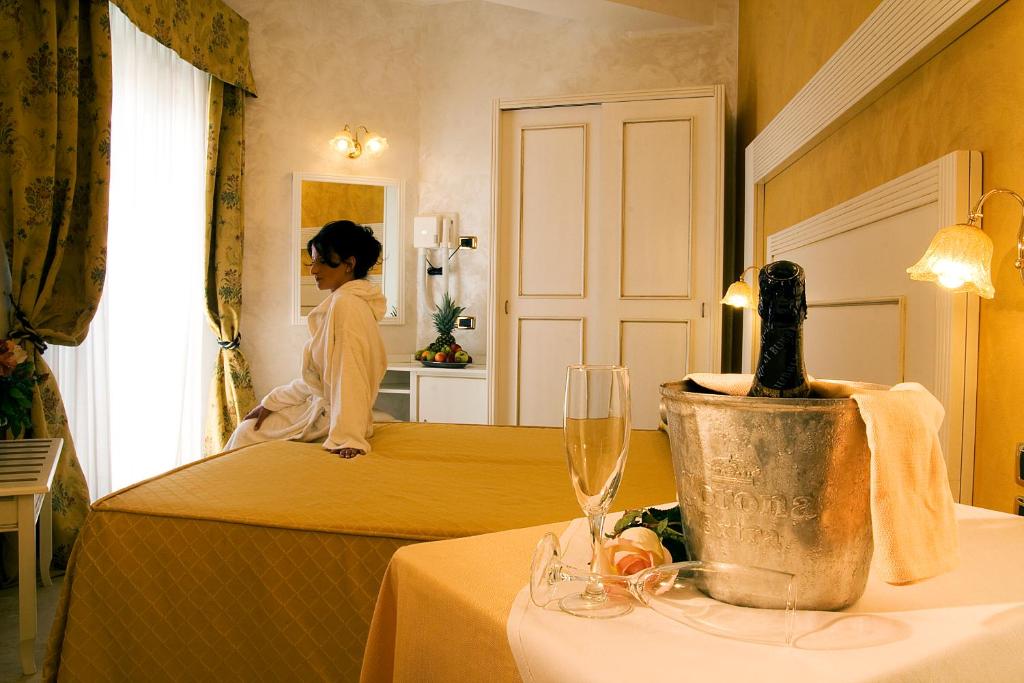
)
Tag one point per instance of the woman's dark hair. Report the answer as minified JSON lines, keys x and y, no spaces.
{"x":338,"y":240}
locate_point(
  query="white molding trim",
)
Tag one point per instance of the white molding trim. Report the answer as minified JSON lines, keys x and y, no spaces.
{"x":951,"y":183}
{"x":601,"y":98}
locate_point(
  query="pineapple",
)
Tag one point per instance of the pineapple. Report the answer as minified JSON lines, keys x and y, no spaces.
{"x":444,"y":323}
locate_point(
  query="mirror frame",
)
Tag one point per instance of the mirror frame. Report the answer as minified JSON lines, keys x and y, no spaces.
{"x":394,"y":197}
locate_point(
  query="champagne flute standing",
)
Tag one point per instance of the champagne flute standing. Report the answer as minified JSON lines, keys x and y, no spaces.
{"x":596,"y":427}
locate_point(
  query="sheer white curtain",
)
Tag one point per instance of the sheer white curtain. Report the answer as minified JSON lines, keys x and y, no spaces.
{"x":139,"y":381}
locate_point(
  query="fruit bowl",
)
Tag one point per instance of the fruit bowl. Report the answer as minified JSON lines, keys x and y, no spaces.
{"x":435,"y":364}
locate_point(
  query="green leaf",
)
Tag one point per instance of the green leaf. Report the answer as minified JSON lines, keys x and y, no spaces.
{"x":629,"y":519}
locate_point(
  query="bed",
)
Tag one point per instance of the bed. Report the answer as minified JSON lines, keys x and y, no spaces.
{"x":264,"y":563}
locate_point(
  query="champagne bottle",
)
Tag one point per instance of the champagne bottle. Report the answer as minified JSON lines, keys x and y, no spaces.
{"x":783,"y":308}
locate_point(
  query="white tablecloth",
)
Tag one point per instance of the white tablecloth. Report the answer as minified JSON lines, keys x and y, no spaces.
{"x":967,"y":625}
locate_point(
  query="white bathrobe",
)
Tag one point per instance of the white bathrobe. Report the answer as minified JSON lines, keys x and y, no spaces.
{"x":342,"y":367}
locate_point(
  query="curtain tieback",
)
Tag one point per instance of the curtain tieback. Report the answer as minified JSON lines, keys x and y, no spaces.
{"x":23,"y":328}
{"x":230,"y":345}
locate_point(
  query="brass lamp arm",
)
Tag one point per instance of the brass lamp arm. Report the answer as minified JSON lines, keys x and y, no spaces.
{"x":753,"y":268}
{"x":976,"y":215}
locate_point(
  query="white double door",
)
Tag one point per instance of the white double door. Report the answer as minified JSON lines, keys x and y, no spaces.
{"x":609,"y":239}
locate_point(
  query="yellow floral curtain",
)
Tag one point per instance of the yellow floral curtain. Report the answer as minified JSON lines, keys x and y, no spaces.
{"x":55,"y":99}
{"x":231,"y":393}
{"x":207,"y":34}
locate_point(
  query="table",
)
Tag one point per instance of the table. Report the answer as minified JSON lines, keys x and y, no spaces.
{"x":26,"y":472}
{"x":443,"y":614}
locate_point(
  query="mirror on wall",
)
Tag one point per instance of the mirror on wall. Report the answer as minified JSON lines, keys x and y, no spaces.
{"x":318,"y":199}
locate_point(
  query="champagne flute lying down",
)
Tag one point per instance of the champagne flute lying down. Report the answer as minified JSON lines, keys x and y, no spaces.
{"x":683,"y":592}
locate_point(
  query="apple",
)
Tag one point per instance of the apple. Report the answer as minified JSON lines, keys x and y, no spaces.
{"x":461,"y":356}
{"x":426,"y":355}
{"x":456,"y":348}
{"x":440,"y":357}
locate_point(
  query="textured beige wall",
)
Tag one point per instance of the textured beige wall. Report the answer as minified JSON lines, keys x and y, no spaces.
{"x":425,"y":76}
{"x":966,"y":97}
{"x":320,"y":64}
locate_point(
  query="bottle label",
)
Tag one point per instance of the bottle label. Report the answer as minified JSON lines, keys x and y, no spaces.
{"x":780,"y":366}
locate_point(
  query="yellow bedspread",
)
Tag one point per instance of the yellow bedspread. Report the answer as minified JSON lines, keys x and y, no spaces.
{"x":264,"y":563}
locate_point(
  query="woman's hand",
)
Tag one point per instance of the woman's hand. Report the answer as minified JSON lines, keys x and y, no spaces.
{"x":260,"y":413}
{"x":347,"y":453}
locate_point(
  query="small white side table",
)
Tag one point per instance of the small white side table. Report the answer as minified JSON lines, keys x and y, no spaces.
{"x":26,"y":472}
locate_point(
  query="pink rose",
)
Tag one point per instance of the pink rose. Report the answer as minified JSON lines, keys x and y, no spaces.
{"x":635,"y":549}
{"x":11,"y":356}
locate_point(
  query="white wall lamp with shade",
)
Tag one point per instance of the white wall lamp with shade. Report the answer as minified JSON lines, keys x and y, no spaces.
{"x":740,"y":294}
{"x":348,"y":143}
{"x":960,"y":256}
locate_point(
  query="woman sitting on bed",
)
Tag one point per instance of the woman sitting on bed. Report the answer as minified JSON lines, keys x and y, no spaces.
{"x":343,"y":361}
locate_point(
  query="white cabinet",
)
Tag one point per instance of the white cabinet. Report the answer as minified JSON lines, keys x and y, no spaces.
{"x":412,"y":392}
{"x":462,"y":400}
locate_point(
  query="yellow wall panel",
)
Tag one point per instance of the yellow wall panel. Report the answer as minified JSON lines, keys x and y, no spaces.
{"x":966,"y":97}
{"x":325,"y":202}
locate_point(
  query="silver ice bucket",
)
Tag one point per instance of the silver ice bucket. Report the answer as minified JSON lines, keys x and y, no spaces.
{"x":776,"y":483}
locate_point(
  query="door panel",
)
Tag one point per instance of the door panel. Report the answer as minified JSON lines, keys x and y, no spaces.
{"x":655,"y":351}
{"x":546,"y":347}
{"x":553,"y":219}
{"x":656,"y":220}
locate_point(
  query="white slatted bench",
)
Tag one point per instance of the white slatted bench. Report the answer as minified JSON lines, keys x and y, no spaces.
{"x":26,"y":472}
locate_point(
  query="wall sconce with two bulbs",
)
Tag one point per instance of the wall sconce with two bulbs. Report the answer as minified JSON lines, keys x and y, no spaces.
{"x":348,"y":143}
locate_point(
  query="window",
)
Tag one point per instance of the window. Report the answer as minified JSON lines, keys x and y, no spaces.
{"x":135,"y":391}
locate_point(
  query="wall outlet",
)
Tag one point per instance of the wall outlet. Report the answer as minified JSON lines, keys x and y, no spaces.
{"x":467,"y":241}
{"x":1020,"y":464}
{"x":465,"y":322}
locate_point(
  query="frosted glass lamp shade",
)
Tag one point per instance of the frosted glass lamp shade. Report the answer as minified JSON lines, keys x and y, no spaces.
{"x":960,"y":259}
{"x":374,"y":144}
{"x":739,"y":295}
{"x":344,"y":142}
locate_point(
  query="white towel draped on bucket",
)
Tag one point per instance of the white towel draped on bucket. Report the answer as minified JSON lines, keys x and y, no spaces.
{"x":912,"y":514}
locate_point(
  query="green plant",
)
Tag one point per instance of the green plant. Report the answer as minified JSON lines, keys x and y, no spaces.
{"x":17,"y":383}
{"x":444,"y":322}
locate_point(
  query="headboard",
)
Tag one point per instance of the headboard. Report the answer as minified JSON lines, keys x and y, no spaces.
{"x":868,"y":321}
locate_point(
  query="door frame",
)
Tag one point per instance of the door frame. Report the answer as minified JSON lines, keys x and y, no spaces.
{"x":499,"y":105}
